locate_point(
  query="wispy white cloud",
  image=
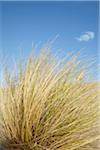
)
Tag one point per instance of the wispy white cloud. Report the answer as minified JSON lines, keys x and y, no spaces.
{"x":86,"y":36}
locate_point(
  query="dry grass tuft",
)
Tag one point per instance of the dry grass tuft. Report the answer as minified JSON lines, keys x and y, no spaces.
{"x":49,"y":106}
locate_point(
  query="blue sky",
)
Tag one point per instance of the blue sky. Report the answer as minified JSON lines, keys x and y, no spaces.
{"x":75,"y":23}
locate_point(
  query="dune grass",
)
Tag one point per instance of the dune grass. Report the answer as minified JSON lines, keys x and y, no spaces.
{"x":47,"y":105}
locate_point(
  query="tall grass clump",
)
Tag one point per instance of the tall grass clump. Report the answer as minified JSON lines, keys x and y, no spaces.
{"x":48,"y":105}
